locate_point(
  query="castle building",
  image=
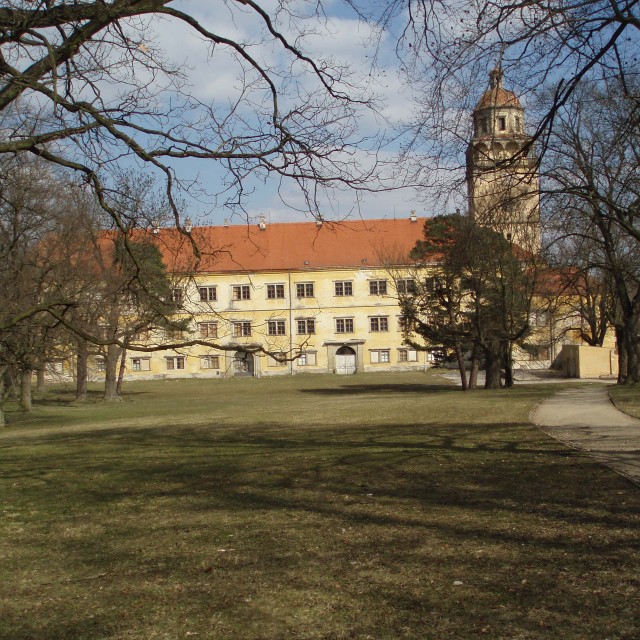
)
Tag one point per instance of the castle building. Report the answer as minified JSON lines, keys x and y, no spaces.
{"x":290,"y":298}
{"x":286,"y":298}
{"x":502,"y":169}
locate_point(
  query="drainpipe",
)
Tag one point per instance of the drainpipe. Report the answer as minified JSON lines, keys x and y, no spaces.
{"x":290,"y":324}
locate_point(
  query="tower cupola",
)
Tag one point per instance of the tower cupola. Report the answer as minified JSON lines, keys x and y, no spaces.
{"x":498,"y":112}
{"x":502,"y":175}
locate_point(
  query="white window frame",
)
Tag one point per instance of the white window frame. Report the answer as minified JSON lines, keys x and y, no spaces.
{"x":344,"y":325}
{"x":343,"y":288}
{"x":275,"y":291}
{"x":378,"y":324}
{"x":241,"y":328}
{"x":208,"y":294}
{"x":378,"y":287}
{"x":211,"y":361}
{"x":406,"y":286}
{"x":175,"y":363}
{"x":240,"y":292}
{"x":380,"y":356}
{"x":140,"y":364}
{"x":208,"y":329}
{"x":407,"y":355}
{"x":308,"y":325}
{"x":276,"y":327}
{"x":305,"y":290}
{"x":273,"y":362}
{"x":307,"y":359}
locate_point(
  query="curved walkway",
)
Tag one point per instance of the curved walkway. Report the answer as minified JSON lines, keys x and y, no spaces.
{"x":585,"y":418}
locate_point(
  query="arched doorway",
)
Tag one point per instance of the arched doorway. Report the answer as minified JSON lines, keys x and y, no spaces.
{"x":243,"y":365}
{"x":345,"y":361}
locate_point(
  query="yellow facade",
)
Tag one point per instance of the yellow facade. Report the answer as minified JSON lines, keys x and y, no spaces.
{"x":309,"y":321}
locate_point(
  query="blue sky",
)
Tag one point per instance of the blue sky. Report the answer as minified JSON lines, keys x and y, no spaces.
{"x":371,"y":59}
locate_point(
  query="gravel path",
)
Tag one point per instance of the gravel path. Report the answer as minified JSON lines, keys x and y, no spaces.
{"x":584,"y":418}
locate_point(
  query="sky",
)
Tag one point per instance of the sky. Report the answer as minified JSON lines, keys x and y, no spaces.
{"x":344,"y":39}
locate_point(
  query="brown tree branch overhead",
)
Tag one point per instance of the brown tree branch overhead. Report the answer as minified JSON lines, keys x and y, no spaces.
{"x":87,"y":84}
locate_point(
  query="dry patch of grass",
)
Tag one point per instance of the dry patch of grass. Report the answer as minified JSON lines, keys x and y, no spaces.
{"x":369,"y":507}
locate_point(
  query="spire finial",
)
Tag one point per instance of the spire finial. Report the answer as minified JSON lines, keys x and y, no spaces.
{"x":495,"y":78}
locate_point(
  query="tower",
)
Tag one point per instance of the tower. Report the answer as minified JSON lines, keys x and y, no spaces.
{"x":502,"y":176}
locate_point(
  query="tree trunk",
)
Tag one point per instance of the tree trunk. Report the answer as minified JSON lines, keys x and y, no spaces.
{"x":40,"y":383}
{"x":110,"y":375}
{"x":632,"y":349}
{"x":461,"y":367}
{"x":475,"y":365}
{"x":622,"y":354}
{"x":2,"y":374}
{"x":82,"y":370}
{"x":10,"y":383}
{"x":123,"y":360}
{"x":508,"y":366}
{"x":492,"y":366}
{"x":25,"y":390}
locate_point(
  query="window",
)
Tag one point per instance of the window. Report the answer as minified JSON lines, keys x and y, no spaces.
{"x":539,"y":319}
{"x":141,"y":364}
{"x":100,"y":364}
{"x":304,"y":290}
{"x":407,"y":355}
{"x":344,"y":288}
{"x":307,"y":359}
{"x":406,"y":324}
{"x":143,"y":335}
{"x":177,"y":295}
{"x":209,"y":362}
{"x":241,"y":292}
{"x":275,"y":291}
{"x":277,"y":360}
{"x":344,"y":325}
{"x":208,"y":294}
{"x":174,"y":362}
{"x":208,"y":329}
{"x":433,"y":284}
{"x":518,"y":124}
{"x":173,"y":334}
{"x":406,"y":285}
{"x":378,"y":287}
{"x":484,"y":125}
{"x":276,"y":328}
{"x":57,"y":366}
{"x":306,"y":326}
{"x":502,"y":123}
{"x":379,"y":323}
{"x":241,"y":329}
{"x":379,"y":355}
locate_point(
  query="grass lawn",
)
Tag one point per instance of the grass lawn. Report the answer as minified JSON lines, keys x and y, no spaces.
{"x":376,"y":507}
{"x":627,"y":398}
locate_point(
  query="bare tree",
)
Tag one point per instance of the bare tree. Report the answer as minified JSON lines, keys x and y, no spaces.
{"x":88,"y":84}
{"x":593,"y":182}
{"x":447,"y":48}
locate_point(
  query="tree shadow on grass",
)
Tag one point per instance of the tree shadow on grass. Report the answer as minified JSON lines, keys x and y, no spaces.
{"x":352,"y":389}
{"x":307,"y":506}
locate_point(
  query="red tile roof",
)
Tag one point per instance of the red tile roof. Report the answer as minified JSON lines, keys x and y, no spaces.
{"x":288,"y":246}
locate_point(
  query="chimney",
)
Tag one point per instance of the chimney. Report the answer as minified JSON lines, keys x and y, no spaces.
{"x":262,"y":223}
{"x":413,"y":217}
{"x":188,"y":225}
